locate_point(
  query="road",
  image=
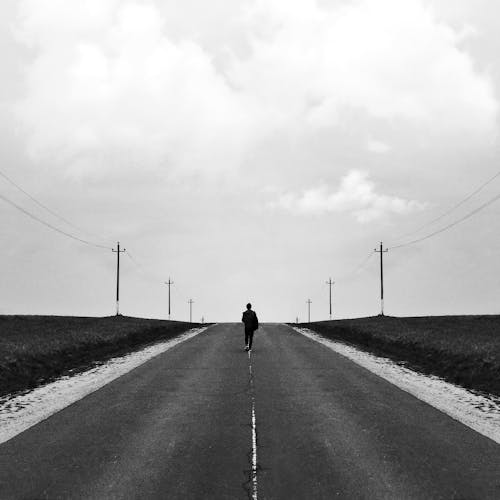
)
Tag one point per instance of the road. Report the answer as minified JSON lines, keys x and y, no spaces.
{"x":180,"y":427}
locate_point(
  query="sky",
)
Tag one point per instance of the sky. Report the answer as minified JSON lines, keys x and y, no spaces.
{"x":249,"y":150}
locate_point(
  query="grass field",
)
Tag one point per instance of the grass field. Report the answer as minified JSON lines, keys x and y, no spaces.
{"x":461,"y":349}
{"x":37,"y":349}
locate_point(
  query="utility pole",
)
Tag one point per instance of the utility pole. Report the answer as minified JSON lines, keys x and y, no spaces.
{"x":190,"y":302}
{"x":169,"y":282}
{"x":381,"y":252}
{"x":330,"y":283}
{"x":308,"y":302}
{"x":118,"y":252}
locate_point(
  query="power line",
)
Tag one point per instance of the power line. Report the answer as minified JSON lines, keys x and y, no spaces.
{"x":180,"y":291}
{"x":50,"y":226}
{"x":358,"y":268}
{"x":449,"y":226}
{"x":135,"y":262}
{"x":452,"y":209}
{"x":363,"y":264}
{"x":40,"y":204}
{"x":142,"y":268}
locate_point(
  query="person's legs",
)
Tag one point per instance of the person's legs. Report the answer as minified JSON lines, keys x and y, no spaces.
{"x":247,"y":335}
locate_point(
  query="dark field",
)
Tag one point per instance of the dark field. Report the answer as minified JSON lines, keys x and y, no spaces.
{"x":37,"y":349}
{"x":464,"y":350}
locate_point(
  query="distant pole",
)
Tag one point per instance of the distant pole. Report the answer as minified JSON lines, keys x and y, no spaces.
{"x":297,"y":320}
{"x":308,"y":302}
{"x":118,"y":252}
{"x":169,"y":282}
{"x":381,"y":252}
{"x":330,"y":283}
{"x":190,"y":302}
{"x":202,"y":320}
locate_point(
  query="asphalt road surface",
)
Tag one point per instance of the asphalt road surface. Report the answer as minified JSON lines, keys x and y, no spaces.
{"x":180,"y":426}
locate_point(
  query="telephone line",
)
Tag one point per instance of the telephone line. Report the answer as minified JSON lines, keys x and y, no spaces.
{"x":452,"y":209}
{"x":363,"y":263}
{"x":143,"y":269}
{"x":40,"y":204}
{"x":449,"y":226}
{"x":358,"y":268}
{"x":138,"y":265}
{"x":180,"y":291}
{"x":50,"y":226}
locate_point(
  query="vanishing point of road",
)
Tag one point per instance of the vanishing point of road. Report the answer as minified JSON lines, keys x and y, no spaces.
{"x":292,"y":421}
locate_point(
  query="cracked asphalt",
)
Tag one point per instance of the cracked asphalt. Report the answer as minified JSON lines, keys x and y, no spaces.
{"x":179,"y":427}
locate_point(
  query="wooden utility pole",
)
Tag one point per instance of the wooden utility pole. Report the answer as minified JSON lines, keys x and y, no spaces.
{"x":330,"y":283}
{"x":308,"y":302}
{"x":118,"y":252}
{"x":169,"y":282}
{"x":381,"y":252}
{"x":190,"y":302}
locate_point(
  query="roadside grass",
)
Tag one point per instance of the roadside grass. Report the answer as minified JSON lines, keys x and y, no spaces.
{"x":464,"y":350}
{"x":38,"y":349}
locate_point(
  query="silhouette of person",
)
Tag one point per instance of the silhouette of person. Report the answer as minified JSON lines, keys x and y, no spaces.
{"x":251,"y":322}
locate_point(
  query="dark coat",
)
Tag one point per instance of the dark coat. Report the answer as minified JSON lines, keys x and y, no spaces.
{"x":250,"y":319}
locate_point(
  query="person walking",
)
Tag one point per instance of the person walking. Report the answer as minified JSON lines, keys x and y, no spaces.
{"x":251,"y":322}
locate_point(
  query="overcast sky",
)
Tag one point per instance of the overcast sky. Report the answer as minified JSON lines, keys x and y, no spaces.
{"x":250,"y":150}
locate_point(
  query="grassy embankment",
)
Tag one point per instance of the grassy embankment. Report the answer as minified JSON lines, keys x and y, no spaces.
{"x":464,"y":350}
{"x":37,"y":349}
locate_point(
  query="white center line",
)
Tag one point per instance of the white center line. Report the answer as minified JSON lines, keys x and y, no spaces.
{"x":254,"y":432}
{"x":254,"y":453}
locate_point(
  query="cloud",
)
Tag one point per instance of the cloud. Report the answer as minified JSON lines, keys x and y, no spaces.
{"x":376,"y":146}
{"x":391,"y":59}
{"x":108,"y":88}
{"x":356,"y":194}
{"x":140,"y":102}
